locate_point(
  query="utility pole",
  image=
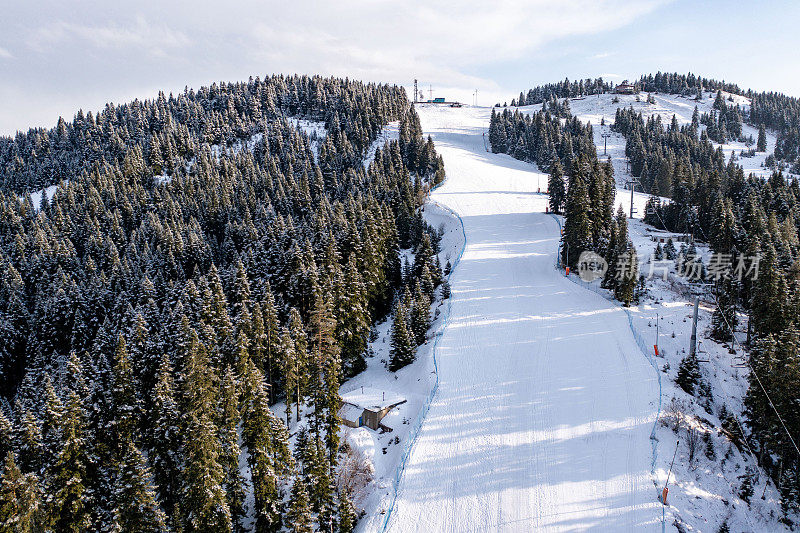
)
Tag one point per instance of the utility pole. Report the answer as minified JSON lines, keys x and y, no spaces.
{"x":430,"y":91}
{"x":693,"y":341}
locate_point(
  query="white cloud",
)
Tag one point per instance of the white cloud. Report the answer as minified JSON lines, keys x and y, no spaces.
{"x":142,"y":35}
{"x":442,"y":43}
{"x":5,"y":54}
{"x":114,"y":49}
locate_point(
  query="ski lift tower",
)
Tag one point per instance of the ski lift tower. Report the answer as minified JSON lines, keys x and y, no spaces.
{"x":415,"y":90}
{"x":605,"y":135}
{"x":632,"y":183}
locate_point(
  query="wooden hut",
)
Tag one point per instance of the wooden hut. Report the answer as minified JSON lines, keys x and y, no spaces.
{"x":366,"y":406}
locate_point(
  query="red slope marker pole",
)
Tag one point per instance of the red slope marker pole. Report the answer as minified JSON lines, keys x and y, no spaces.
{"x":666,"y":490}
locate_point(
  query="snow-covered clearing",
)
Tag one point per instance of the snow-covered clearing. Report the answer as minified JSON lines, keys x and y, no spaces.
{"x":314,"y":130}
{"x":390,"y":132}
{"x":546,"y":404}
{"x":36,"y":196}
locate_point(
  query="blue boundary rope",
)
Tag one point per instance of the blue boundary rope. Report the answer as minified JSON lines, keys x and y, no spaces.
{"x":417,"y":427}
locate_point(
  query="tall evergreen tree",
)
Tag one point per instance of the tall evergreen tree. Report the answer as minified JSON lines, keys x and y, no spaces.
{"x":688,"y":373}
{"x":556,"y":188}
{"x":21,"y":508}
{"x":229,"y":420}
{"x":298,"y":517}
{"x":135,"y":504}
{"x":204,"y":502}
{"x":577,"y":225}
{"x":165,"y":439}
{"x":268,"y":456}
{"x":68,"y":500}
{"x":761,"y":144}
{"x":403,"y":347}
{"x":420,"y":315}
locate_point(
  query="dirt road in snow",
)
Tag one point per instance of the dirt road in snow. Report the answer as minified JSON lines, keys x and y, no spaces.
{"x":543,"y":416}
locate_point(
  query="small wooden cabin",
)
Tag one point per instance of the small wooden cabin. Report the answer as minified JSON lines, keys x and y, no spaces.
{"x":366,"y":406}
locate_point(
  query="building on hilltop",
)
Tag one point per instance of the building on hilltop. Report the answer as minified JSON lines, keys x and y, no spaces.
{"x":625,"y":88}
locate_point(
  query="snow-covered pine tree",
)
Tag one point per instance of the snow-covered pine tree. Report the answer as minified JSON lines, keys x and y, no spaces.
{"x":204,"y":503}
{"x":135,"y":507}
{"x":556,"y":188}
{"x":627,"y":275}
{"x":577,"y":224}
{"x":165,"y":439}
{"x":21,"y":507}
{"x":299,"y":518}
{"x":724,"y":319}
{"x":688,"y":373}
{"x":420,"y":315}
{"x":266,"y":441}
{"x":68,"y":500}
{"x":761,"y":144}
{"x":347,"y":514}
{"x":229,"y":420}
{"x":403,"y":346}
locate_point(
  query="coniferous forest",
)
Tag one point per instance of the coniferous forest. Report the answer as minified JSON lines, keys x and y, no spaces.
{"x":202,"y":259}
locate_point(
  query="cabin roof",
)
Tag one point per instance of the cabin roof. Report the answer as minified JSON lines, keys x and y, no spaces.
{"x":373,"y":399}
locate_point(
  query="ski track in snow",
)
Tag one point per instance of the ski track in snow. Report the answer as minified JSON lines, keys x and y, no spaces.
{"x":545,"y":405}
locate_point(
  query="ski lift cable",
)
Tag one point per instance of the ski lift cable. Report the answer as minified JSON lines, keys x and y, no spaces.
{"x":749,"y":450}
{"x":744,"y":436}
{"x":761,"y":385}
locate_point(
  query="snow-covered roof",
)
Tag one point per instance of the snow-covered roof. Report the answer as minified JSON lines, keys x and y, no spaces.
{"x":350,"y":412}
{"x":373,"y":399}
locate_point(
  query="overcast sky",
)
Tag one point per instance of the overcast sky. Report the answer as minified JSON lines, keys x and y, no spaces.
{"x":57,"y":57}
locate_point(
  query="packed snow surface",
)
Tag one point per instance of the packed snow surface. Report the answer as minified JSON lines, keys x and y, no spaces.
{"x":546,"y":404}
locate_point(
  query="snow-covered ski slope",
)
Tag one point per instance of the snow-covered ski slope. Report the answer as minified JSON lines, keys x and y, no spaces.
{"x":545,"y":406}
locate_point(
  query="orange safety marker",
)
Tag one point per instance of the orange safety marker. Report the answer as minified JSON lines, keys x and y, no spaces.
{"x":567,"y":271}
{"x":664,"y":495}
{"x":655,"y":347}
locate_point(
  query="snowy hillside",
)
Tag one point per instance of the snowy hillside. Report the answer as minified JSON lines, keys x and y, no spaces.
{"x":601,"y":108}
{"x":546,"y":405}
{"x":595,"y":109}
